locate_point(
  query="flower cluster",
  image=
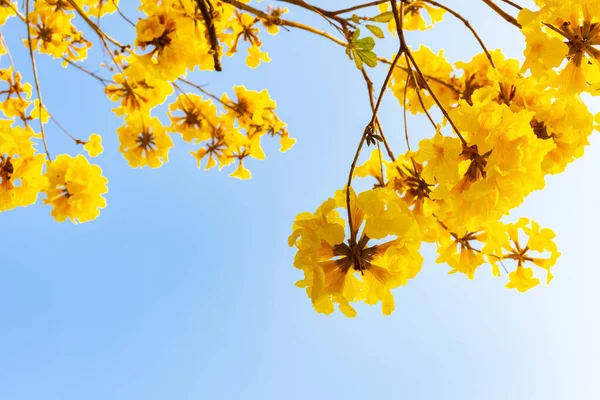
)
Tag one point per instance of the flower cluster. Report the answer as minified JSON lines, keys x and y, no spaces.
{"x":506,"y":126}
{"x":172,"y":39}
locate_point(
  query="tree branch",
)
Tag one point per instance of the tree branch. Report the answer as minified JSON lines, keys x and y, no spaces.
{"x":507,"y":17}
{"x":210,"y":28}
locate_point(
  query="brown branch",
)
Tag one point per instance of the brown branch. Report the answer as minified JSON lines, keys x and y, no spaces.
{"x":210,"y":27}
{"x":406,"y":49}
{"x":282,"y":22}
{"x":206,"y":92}
{"x":103,"y":81}
{"x":507,"y":17}
{"x":467,"y":24}
{"x":95,"y":27}
{"x":404,"y":115}
{"x":510,"y":3}
{"x":432,"y":78}
{"x":418,"y":91}
{"x":121,"y":13}
{"x":36,"y":79}
{"x":328,"y":15}
{"x":371,"y":90}
{"x":358,"y":7}
{"x":180,"y":91}
{"x":367,"y":131}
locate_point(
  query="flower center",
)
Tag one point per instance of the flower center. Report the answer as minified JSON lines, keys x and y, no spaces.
{"x":6,"y":172}
{"x":539,"y":129}
{"x":580,"y":39}
{"x":355,"y":255}
{"x":145,"y":141}
{"x":45,"y":33}
{"x":476,"y":169}
{"x":192,"y":118}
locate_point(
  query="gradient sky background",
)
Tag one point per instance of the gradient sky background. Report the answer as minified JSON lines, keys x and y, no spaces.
{"x":184,"y":287}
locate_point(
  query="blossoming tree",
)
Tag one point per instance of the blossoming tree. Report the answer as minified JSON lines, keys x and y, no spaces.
{"x":506,"y":126}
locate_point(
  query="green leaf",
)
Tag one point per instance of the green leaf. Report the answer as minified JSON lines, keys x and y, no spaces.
{"x":383,"y":17}
{"x":355,"y":35}
{"x":357,"y":59}
{"x":366,"y":56}
{"x":355,"y":18}
{"x":375,"y":30}
{"x":366,"y":43}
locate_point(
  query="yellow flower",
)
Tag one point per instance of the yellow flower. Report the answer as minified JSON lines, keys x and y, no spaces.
{"x":255,"y":56}
{"x":7,"y":11}
{"x":21,"y":177}
{"x":437,"y":71}
{"x":413,"y":16}
{"x":94,"y":145}
{"x":251,"y":107}
{"x":170,"y":42}
{"x":522,"y":279}
{"x":199,"y":120}
{"x":502,"y":163}
{"x":139,"y":89}
{"x":375,"y":167}
{"x":53,"y":33}
{"x":342,"y":272}
{"x":144,"y":142}
{"x":560,"y":31}
{"x":275,"y":13}
{"x":75,"y":189}
{"x":504,"y":243}
{"x":241,"y":172}
{"x":460,"y":252}
{"x":542,"y":52}
{"x":440,"y":157}
{"x":286,"y":142}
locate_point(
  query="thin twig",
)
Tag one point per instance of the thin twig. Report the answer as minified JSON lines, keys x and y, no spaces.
{"x":405,"y":48}
{"x":103,"y":38}
{"x":283,"y":22}
{"x":507,"y":17}
{"x":206,"y":92}
{"x":327,"y":15}
{"x":510,"y":3}
{"x":95,"y":27}
{"x":368,"y":130}
{"x":358,"y":7}
{"x":36,"y":79}
{"x":467,"y":24}
{"x":103,"y":81}
{"x":15,"y":9}
{"x":62,"y":128}
{"x":371,"y":90}
{"x":180,"y":91}
{"x":121,"y":14}
{"x":404,"y":111}
{"x":3,"y":42}
{"x":418,"y":91}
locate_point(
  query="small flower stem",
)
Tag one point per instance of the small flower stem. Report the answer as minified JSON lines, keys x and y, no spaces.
{"x":36,"y":78}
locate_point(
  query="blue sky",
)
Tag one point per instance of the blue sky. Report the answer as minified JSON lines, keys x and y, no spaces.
{"x":184,"y":287}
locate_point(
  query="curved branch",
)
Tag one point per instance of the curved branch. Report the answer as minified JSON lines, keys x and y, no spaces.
{"x":36,"y":79}
{"x":467,"y":24}
{"x":283,"y":22}
{"x":206,"y":11}
{"x":358,"y":7}
{"x":507,"y":17}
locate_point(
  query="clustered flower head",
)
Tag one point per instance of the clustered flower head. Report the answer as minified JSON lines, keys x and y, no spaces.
{"x":172,"y":39}
{"x":506,"y":126}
